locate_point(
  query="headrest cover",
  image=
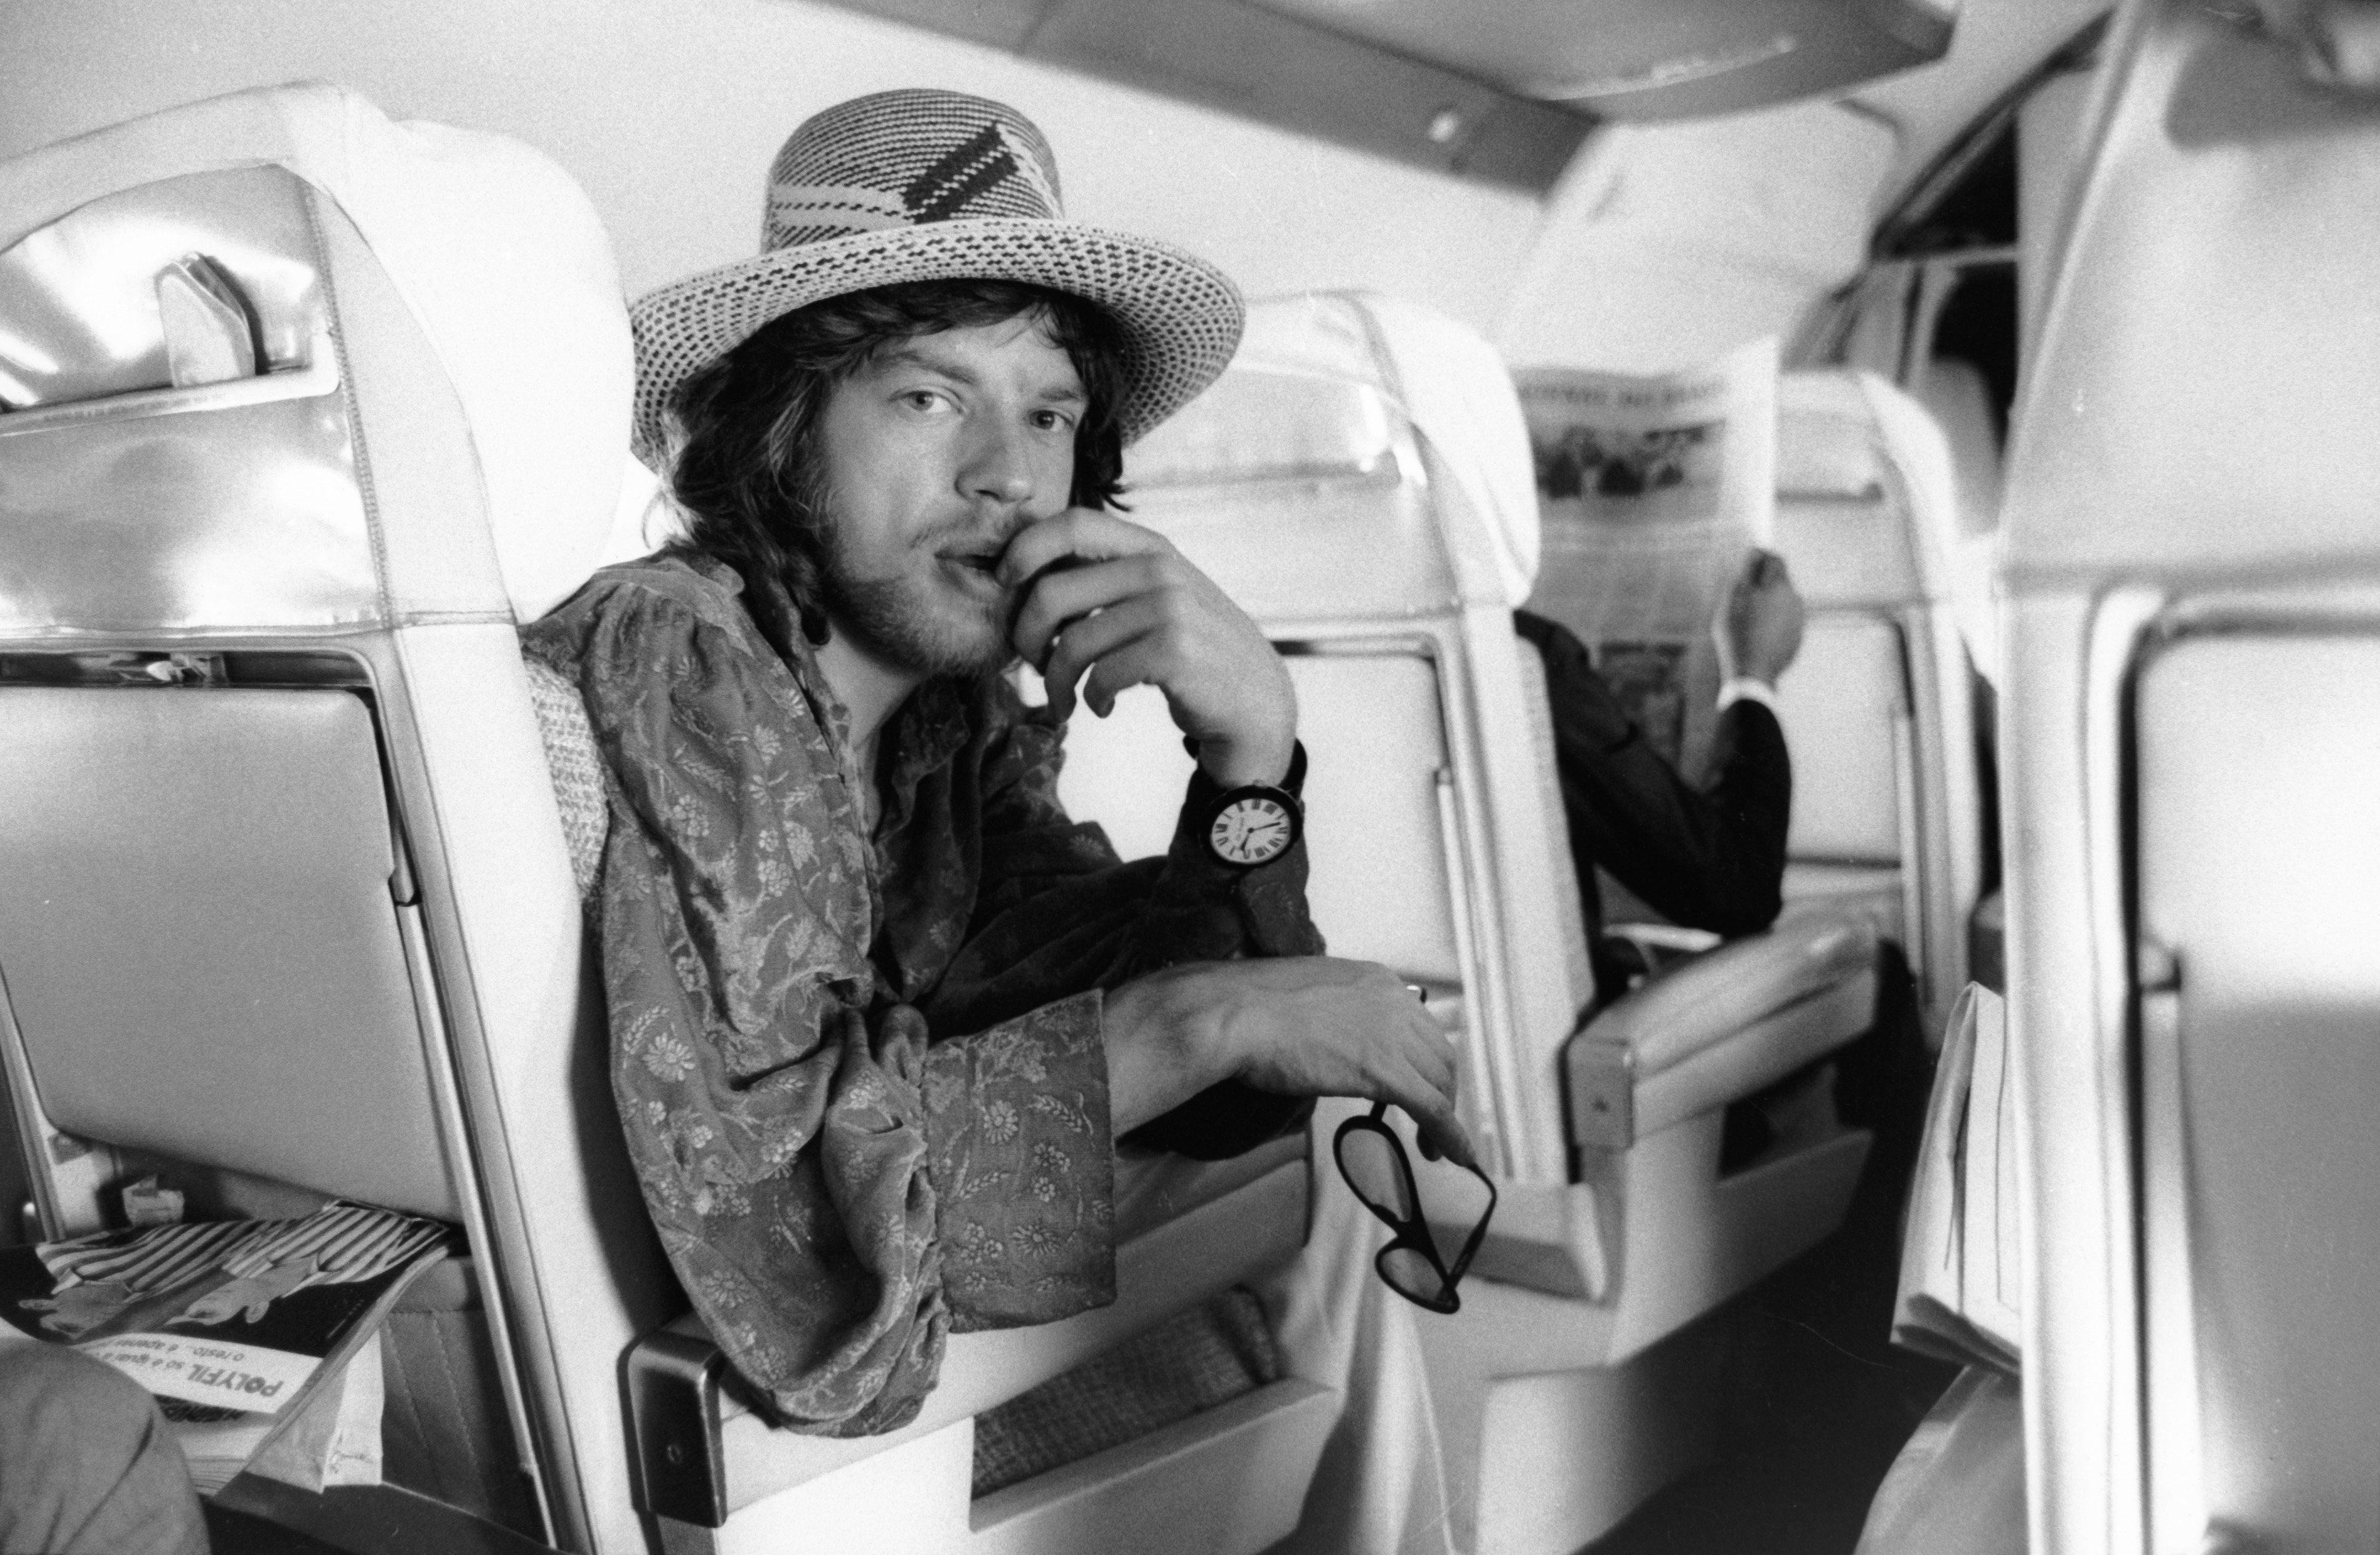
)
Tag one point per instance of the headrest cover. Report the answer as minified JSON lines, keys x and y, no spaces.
{"x":2204,"y":391}
{"x":1325,"y":386}
{"x":1867,"y":505}
{"x":496,"y":251}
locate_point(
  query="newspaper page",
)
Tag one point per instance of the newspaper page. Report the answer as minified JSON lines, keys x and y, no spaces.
{"x":1649,"y":491}
{"x":1957,"y":1299}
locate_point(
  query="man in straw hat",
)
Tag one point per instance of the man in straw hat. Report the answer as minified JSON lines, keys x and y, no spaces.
{"x":879,"y":1008}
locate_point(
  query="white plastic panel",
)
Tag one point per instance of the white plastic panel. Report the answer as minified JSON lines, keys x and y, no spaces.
{"x":198,"y":941}
{"x":1375,"y":743}
{"x":1841,"y":704}
{"x":2259,"y":859}
{"x":1866,"y":500}
{"x":1847,"y":551}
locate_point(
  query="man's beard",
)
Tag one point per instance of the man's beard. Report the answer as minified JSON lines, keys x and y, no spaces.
{"x":908,"y":621}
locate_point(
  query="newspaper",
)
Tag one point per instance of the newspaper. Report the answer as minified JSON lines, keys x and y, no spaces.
{"x":1649,"y":491}
{"x":1961,"y":1253}
{"x":236,"y":1327}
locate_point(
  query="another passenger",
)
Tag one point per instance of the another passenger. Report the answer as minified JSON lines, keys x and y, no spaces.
{"x":1710,"y":857}
{"x":879,"y":1008}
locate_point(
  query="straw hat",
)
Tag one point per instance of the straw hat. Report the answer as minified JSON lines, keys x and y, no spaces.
{"x":919,"y":185}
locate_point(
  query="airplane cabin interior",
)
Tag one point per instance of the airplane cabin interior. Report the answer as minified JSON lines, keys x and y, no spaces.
{"x":317,"y":377}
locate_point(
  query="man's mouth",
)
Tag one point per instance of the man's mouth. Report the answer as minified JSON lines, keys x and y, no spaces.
{"x":981,"y":568}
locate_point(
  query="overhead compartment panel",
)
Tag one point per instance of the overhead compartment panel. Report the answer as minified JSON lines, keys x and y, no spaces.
{"x":1651,"y":59}
{"x":1262,"y":65}
{"x":1500,"y":92}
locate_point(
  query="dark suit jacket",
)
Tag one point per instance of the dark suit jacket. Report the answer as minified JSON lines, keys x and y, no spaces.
{"x":1710,"y":857}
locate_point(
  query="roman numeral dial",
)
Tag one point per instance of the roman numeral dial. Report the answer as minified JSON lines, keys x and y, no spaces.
{"x":1252,"y":827}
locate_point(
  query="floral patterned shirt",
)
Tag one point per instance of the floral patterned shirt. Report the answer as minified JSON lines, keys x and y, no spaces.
{"x":861,"y":1079}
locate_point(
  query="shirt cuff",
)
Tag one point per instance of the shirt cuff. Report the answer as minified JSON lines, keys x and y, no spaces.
{"x":1017,"y":1129}
{"x":1743,"y":688}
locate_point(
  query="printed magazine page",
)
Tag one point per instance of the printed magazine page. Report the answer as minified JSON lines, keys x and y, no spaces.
{"x":234,"y":1325}
{"x":1649,"y":491}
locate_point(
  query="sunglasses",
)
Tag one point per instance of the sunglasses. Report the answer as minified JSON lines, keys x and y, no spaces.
{"x":1373,"y":1161}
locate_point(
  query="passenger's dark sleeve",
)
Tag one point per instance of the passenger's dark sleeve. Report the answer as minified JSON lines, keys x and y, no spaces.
{"x":1709,"y":858}
{"x":1057,"y":911}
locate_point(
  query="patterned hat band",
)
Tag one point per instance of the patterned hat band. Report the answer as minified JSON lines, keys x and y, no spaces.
{"x":931,"y":157}
{"x":912,"y":186}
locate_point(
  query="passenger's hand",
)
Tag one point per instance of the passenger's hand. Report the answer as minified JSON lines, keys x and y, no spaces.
{"x":1759,"y":626}
{"x":1297,"y":1026}
{"x":1121,"y":603}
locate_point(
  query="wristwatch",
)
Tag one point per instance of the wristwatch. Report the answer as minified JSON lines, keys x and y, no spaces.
{"x":1256,"y":822}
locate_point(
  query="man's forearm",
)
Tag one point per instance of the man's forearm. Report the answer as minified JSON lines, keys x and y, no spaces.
{"x":1164,"y":1047}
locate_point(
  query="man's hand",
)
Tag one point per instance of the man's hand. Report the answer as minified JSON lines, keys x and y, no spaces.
{"x":1108,"y":596}
{"x":1298,"y":1026}
{"x":1759,"y":626}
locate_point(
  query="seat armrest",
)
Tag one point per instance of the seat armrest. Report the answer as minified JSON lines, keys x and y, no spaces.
{"x":1719,"y":1026}
{"x":702,"y":1454}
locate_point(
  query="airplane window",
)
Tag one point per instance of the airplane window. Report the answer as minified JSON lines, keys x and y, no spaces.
{"x":1977,"y":325}
{"x":1976,"y":209}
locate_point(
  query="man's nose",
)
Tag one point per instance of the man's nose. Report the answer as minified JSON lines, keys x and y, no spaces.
{"x":998,"y":469}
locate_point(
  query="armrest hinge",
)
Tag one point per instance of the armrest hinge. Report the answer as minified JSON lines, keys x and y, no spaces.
{"x":674,"y":1405}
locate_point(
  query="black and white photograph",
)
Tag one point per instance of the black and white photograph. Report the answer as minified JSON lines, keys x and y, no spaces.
{"x":1189,"y":777}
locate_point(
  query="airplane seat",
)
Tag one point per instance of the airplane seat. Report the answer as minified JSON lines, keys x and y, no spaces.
{"x":1185,"y":1230}
{"x":1360,"y":482}
{"x":283,"y":911}
{"x":2191,"y":578}
{"x":1878,"y":707}
{"x":287,"y":904}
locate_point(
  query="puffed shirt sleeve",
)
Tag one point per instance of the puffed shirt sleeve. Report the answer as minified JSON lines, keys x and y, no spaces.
{"x":814,"y":1164}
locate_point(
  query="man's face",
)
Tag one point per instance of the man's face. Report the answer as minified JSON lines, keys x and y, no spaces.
{"x":934,"y":455}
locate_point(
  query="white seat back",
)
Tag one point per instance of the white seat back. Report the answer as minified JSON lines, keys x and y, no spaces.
{"x":304,"y":870}
{"x":1876,"y":708}
{"x":1358,"y":481}
{"x":2192,"y":558}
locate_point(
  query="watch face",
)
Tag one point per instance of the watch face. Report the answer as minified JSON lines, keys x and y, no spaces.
{"x":1254,"y":830}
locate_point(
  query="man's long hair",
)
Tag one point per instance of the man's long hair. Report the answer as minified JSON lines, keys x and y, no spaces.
{"x":744,"y":474}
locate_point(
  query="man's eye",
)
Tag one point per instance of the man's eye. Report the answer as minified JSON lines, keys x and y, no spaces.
{"x":925,"y":399}
{"x":1052,"y":420}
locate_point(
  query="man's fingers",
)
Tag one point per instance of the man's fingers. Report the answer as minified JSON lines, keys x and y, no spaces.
{"x":1143,"y":661}
{"x":1078,"y":531}
{"x":1442,"y":1134}
{"x":1058,"y":599}
{"x":1100,"y":640}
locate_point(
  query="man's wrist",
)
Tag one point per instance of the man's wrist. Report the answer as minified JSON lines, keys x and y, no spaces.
{"x":1289,"y":776}
{"x":1746,"y":689}
{"x":1176,"y":1011}
{"x":1235,"y":764}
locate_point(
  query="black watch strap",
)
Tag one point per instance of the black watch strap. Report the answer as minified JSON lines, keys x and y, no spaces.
{"x":1204,"y":788}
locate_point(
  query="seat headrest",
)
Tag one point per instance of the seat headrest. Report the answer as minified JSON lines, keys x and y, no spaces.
{"x":1866,"y":503}
{"x":1328,"y":393}
{"x":2204,"y":389}
{"x":494,"y":252}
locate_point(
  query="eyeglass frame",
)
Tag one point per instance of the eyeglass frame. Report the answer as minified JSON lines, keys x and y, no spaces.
{"x":1412,"y":1234}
